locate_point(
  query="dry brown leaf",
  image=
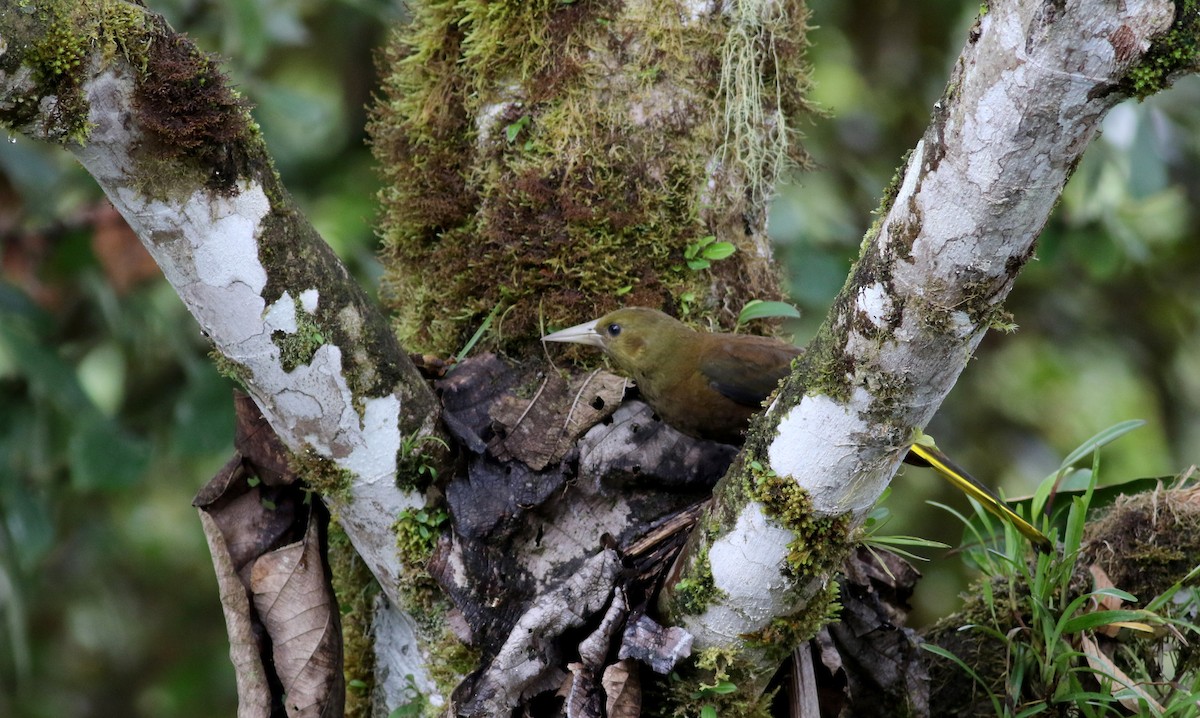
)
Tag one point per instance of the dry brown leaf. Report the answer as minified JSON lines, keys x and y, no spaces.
{"x":877,"y":664}
{"x":266,"y":541}
{"x":594,"y":648}
{"x":1113,"y":679}
{"x":245,"y":650}
{"x":258,"y":443}
{"x":581,"y":697}
{"x":594,"y":397}
{"x":253,"y":519}
{"x":468,"y":393}
{"x":623,"y":690}
{"x":540,"y":430}
{"x":295,"y":602}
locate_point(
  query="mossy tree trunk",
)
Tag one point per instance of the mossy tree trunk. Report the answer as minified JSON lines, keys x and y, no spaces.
{"x":548,"y":161}
{"x":551,"y":161}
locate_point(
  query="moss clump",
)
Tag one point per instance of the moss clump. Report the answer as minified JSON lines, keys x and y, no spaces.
{"x":66,"y":33}
{"x":449,"y":658}
{"x":298,"y":348}
{"x":418,"y":460}
{"x":416,"y":534}
{"x":188,"y":111}
{"x":712,"y":687}
{"x":821,"y":541}
{"x":184,"y":106}
{"x":229,"y":368}
{"x":556,"y":160}
{"x":1175,"y":52}
{"x":779,"y":637}
{"x":321,"y":475}
{"x":61,"y":50}
{"x":696,"y":589}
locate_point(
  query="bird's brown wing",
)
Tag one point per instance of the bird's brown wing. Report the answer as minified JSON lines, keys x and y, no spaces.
{"x":746,"y":369}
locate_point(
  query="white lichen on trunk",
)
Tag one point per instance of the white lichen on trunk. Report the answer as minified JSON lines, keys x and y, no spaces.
{"x":207,"y":246}
{"x":1026,"y":98}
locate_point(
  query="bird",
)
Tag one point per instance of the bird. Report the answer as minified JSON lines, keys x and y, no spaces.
{"x":708,"y":385}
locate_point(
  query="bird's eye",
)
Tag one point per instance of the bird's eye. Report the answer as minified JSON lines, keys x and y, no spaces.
{"x":614,"y":329}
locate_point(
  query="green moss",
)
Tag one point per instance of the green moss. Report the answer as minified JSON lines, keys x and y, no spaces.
{"x":230,"y":369}
{"x":66,"y":34}
{"x":781,"y":636}
{"x":585,"y":194}
{"x":1172,"y":54}
{"x":820,"y":542}
{"x":298,"y":348}
{"x":449,"y":658}
{"x":419,"y":459}
{"x":184,"y":106}
{"x":886,"y":200}
{"x":321,"y":475}
{"x":416,"y":535}
{"x":696,"y":590}
{"x":713,"y":685}
{"x":61,"y":49}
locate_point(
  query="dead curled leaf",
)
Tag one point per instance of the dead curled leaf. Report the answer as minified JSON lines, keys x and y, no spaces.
{"x":623,"y":690}
{"x":267,"y":543}
{"x":874,"y":660}
{"x":245,"y":645}
{"x":535,"y":431}
{"x":1131,"y":695}
{"x":294,"y":600}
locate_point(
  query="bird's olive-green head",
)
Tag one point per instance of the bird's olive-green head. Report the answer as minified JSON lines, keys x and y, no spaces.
{"x":635,"y":338}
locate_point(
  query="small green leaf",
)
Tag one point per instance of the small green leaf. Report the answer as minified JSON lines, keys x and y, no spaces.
{"x":622,"y":291}
{"x":512,"y":131}
{"x":698,"y":264}
{"x":1096,"y":619}
{"x":758,"y":309}
{"x":720,"y":250}
{"x":487,"y":322}
{"x":1104,"y":437}
{"x":708,"y":712}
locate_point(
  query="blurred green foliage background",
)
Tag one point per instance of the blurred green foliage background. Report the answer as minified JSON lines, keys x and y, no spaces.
{"x":112,"y":416}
